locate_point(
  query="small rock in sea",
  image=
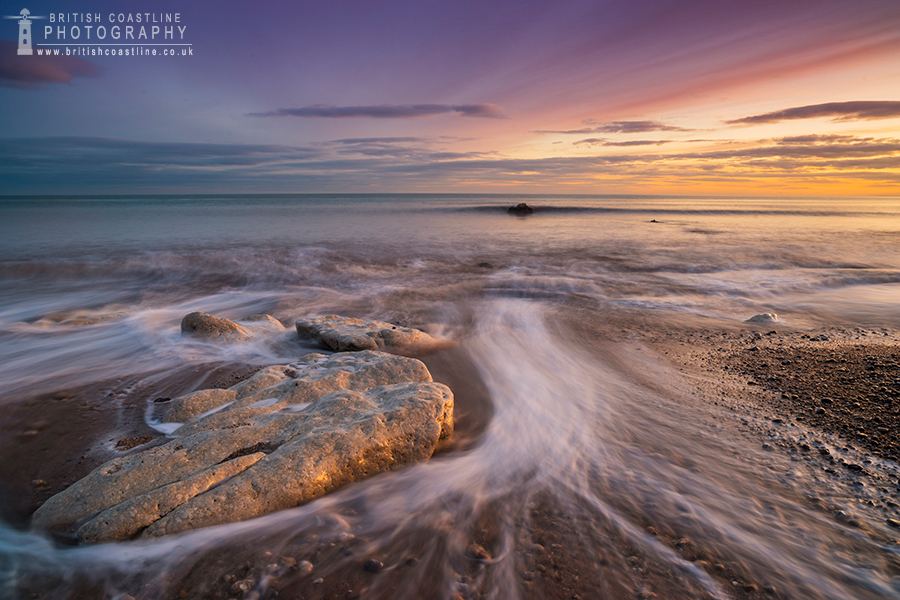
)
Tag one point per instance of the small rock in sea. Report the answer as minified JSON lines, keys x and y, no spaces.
{"x":318,"y":581}
{"x":161,"y":400}
{"x":373,"y":566}
{"x":820,"y":411}
{"x":769,"y":589}
{"x":485,"y":265}
{"x":412,"y":561}
{"x":654,"y":221}
{"x":304,"y":566}
{"x":893,"y":523}
{"x":767,"y":447}
{"x":520,"y":210}
{"x":343,"y":334}
{"x":206,"y":326}
{"x":763,"y":318}
{"x":39,"y":483}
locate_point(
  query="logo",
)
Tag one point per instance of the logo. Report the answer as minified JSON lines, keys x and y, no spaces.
{"x":95,"y":34}
{"x":25,"y":33}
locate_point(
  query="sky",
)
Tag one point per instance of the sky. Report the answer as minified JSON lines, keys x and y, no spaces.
{"x":693,"y":97}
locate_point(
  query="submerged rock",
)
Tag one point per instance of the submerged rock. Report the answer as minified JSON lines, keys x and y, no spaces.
{"x":520,"y":209}
{"x":346,"y":334}
{"x":284,"y":437}
{"x":763,"y":318}
{"x":206,"y":326}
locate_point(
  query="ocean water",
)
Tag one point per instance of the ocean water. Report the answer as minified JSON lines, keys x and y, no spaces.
{"x":94,"y":288}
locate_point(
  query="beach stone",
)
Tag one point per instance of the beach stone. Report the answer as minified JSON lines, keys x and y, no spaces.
{"x":288,"y":435}
{"x":347,"y":334}
{"x":205,"y":326}
{"x":128,"y":518}
{"x":763,"y":318}
{"x":264,"y":322}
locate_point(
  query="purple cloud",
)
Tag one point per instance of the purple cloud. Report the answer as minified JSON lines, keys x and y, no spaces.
{"x":28,"y":72}
{"x":620,"y":127}
{"x":387,"y":111}
{"x":841,"y":111}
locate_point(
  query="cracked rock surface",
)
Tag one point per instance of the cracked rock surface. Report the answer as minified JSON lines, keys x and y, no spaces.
{"x":289,"y":434}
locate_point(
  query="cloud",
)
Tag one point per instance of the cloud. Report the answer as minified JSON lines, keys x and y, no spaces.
{"x":387,"y":111}
{"x":818,"y":139}
{"x":619,"y":127}
{"x":589,"y":141}
{"x":379,"y":140}
{"x":841,"y":111}
{"x":639,"y":143}
{"x":603,"y":142}
{"x":29,"y":72}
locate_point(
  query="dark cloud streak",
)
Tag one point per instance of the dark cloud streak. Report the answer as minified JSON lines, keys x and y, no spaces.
{"x":29,"y":72}
{"x":619,"y":127}
{"x":841,"y":111}
{"x":387,"y":111}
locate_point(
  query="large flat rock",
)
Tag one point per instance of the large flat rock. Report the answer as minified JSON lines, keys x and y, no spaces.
{"x":289,"y":434}
{"x":347,"y":334}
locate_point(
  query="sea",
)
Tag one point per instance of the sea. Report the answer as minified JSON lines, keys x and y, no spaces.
{"x":93,"y":288}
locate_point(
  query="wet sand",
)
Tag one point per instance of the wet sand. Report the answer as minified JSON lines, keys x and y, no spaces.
{"x":764,"y":383}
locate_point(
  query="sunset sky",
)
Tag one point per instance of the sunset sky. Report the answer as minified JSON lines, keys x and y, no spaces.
{"x":710,"y":97}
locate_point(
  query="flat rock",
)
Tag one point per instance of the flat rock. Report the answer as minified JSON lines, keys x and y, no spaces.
{"x":763,"y":318}
{"x":205,"y":326}
{"x":289,"y":434}
{"x":347,"y":334}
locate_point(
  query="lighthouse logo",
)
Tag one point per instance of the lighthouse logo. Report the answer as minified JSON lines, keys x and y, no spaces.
{"x":24,"y":31}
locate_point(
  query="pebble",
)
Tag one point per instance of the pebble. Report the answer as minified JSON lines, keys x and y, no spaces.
{"x":318,"y":581}
{"x":304,"y":566}
{"x":373,"y":566}
{"x":477,"y":552}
